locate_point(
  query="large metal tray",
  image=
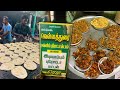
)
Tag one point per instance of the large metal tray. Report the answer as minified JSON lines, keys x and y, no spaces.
{"x":94,"y":34}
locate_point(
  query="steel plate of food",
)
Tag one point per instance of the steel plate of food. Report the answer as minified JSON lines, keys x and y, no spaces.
{"x":95,"y":45}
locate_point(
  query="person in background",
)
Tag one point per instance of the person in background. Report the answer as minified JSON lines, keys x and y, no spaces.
{"x":1,"y":23}
{"x":22,"y":30}
{"x":6,"y":36}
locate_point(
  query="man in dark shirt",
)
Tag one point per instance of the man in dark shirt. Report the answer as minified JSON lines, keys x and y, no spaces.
{"x":22,"y":30}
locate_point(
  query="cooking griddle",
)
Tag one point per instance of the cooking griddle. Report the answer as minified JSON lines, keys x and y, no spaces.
{"x":31,"y":73}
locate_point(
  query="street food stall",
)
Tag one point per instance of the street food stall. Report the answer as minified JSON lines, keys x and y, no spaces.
{"x":94,"y":50}
{"x":20,"y":60}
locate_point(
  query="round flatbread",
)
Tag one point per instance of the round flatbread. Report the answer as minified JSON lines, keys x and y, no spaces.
{"x":28,"y":51}
{"x":25,"y":58}
{"x":17,"y":43}
{"x":19,"y":72}
{"x":1,"y":45}
{"x":17,"y":51}
{"x":26,"y":43}
{"x":18,"y":61}
{"x":2,"y":51}
{"x":33,"y":54}
{"x":12,"y":48}
{"x":14,"y":56}
{"x":21,"y":42}
{"x":5,"y":59}
{"x":36,"y":60}
{"x":30,"y":65}
{"x":9,"y":53}
{"x":23,"y":54}
{"x":36,"y":50}
{"x":3,"y":48}
{"x":29,"y":58}
{"x":2,"y":54}
{"x":7,"y":44}
{"x":7,"y":66}
{"x":6,"y":50}
{"x":20,"y":47}
{"x":23,"y":49}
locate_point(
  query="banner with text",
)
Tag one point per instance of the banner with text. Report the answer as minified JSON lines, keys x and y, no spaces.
{"x":54,"y":48}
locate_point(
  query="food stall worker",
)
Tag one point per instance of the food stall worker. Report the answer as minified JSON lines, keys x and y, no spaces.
{"x":21,"y":30}
{"x":6,"y":37}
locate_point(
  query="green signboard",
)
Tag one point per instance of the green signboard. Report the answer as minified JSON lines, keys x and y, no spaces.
{"x":54,"y":48}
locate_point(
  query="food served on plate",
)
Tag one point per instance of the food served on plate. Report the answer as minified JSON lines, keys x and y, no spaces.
{"x":106,"y":65}
{"x":97,"y":44}
{"x":98,"y":55}
{"x":92,"y":44}
{"x":83,"y":61}
{"x":81,"y":51}
{"x":76,"y":36}
{"x":100,"y":22}
{"x":112,"y":56}
{"x":113,"y":31}
{"x":111,"y":43}
{"x":93,"y":71}
{"x":19,"y":72}
{"x":102,"y":42}
{"x":117,"y":51}
{"x":81,"y":25}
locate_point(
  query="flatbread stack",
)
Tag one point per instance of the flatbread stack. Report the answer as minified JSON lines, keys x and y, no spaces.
{"x":19,"y":72}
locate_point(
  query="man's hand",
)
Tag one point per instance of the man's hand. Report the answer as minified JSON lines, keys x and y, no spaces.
{"x":21,"y":36}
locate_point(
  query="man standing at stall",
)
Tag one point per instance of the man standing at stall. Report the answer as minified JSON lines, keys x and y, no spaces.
{"x":22,"y":30}
{"x":6,"y":36}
